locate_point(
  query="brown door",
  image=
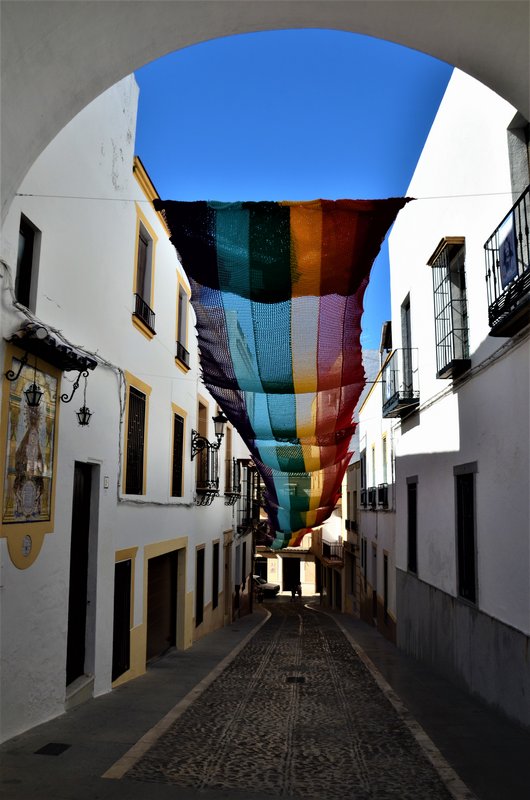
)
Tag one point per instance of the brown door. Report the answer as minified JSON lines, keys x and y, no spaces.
{"x":121,"y":635}
{"x":77,"y":597}
{"x":161,"y":604}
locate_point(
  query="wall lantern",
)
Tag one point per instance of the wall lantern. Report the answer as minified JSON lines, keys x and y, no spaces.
{"x":33,"y":393}
{"x":84,"y":413}
{"x":200,"y":443}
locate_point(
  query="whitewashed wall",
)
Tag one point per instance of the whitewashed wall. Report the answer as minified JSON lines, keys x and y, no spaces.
{"x":85,"y":290}
{"x":378,"y":526}
{"x":483,"y":419}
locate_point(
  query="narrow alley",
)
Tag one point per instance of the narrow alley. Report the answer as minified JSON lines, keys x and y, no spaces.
{"x":283,"y":703}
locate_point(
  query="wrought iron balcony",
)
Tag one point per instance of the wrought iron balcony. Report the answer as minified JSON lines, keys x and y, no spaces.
{"x":372,"y":496}
{"x":401,"y":393}
{"x":508,"y":270}
{"x":364,"y":497}
{"x":333,"y":552}
{"x":143,"y":312}
{"x":182,"y":355}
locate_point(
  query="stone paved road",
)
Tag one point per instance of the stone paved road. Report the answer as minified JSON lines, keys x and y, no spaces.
{"x":296,"y":715}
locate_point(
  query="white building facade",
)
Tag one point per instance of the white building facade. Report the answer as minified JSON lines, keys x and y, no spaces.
{"x":457,"y":389}
{"x":115,"y":544}
{"x":377,"y":505}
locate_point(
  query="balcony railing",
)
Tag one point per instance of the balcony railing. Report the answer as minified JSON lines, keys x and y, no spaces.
{"x":332,"y":552}
{"x":401,"y":393}
{"x":182,"y":354}
{"x":364,"y":497}
{"x":372,"y":496}
{"x":143,"y":312}
{"x":508,"y":270}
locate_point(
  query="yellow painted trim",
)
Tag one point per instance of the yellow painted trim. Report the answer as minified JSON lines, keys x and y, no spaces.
{"x":138,"y":666}
{"x":142,"y":327}
{"x":141,"y":219}
{"x":160,"y":549}
{"x":128,"y":554}
{"x":187,"y":291}
{"x":447,"y":241}
{"x":15,"y":532}
{"x":132,"y":380}
{"x":148,"y":188}
{"x":184,"y":414}
{"x":203,"y":401}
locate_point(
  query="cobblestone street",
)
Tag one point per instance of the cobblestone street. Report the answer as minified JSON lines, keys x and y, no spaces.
{"x":297,"y":714}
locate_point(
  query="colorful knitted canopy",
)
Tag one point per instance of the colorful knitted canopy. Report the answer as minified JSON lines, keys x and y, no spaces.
{"x":277,"y":289}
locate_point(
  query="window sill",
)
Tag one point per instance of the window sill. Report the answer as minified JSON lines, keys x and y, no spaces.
{"x":142,"y":327}
{"x":181,"y":365}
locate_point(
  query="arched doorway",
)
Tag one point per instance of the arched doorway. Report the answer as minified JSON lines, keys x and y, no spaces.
{"x":57,"y":57}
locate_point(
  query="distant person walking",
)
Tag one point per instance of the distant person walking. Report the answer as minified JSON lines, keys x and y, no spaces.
{"x":293,"y":593}
{"x":299,"y":590}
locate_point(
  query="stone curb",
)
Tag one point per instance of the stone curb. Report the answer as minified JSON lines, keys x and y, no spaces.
{"x":453,"y":783}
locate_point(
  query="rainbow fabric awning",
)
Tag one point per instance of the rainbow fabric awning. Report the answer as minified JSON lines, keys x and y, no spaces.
{"x":277,"y":289}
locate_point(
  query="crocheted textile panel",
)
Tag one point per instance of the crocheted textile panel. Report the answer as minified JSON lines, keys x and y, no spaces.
{"x":277,"y":290}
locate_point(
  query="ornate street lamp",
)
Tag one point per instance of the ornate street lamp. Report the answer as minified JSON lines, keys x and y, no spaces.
{"x":199,"y":443}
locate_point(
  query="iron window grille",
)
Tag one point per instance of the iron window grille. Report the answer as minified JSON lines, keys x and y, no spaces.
{"x":178,"y":452}
{"x":400,"y":378}
{"x":233,"y":485}
{"x":144,"y":312}
{"x":507,"y":253}
{"x":450,"y":307}
{"x":207,"y":487}
{"x":248,"y":513}
{"x":134,"y":472}
{"x":182,"y":354}
{"x":364,"y":497}
{"x":372,"y":496}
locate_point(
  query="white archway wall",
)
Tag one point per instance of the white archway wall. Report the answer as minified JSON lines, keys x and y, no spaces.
{"x":59,"y":55}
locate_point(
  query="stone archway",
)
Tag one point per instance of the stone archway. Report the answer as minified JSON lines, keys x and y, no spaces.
{"x":57,"y":56}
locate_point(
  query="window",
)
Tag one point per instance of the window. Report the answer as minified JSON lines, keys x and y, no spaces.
{"x":364,"y":493}
{"x":215,"y":575}
{"x":182,"y":356}
{"x":450,"y":307}
{"x":136,"y":432}
{"x":228,"y":461}
{"x":385,"y":459}
{"x":406,"y":340}
{"x":412,"y":524}
{"x":178,"y":454}
{"x":244,"y":564}
{"x":207,"y":459}
{"x":465,"y":530}
{"x":199,"y":587}
{"x":27,"y":260}
{"x":143,"y":314}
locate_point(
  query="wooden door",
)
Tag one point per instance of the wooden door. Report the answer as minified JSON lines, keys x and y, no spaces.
{"x":77,"y":598}
{"x":161,"y":604}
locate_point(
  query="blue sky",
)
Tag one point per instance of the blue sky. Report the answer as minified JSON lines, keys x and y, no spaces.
{"x":290,"y":115}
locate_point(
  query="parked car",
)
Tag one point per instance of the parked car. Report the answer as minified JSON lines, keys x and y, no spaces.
{"x":268,"y":589}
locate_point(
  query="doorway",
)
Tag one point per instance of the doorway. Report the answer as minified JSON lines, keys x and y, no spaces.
{"x":79,"y":551}
{"x":161,"y":604}
{"x":291,"y":573}
{"x":121,"y":635}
